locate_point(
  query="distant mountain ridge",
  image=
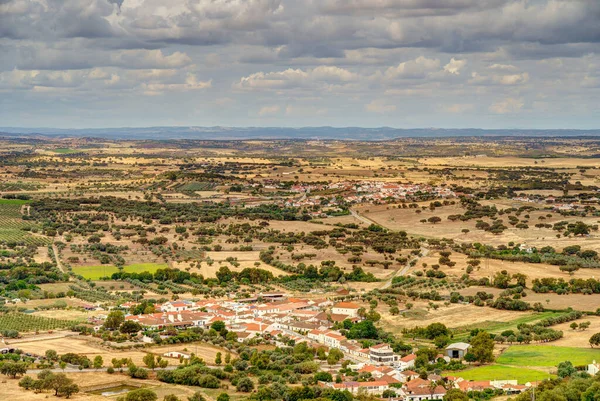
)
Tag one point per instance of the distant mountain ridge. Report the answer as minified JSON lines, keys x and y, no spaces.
{"x":324,"y":133}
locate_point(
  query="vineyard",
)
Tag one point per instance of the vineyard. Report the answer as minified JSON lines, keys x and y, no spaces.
{"x":24,"y":323}
{"x":13,"y":227}
{"x":19,"y":186}
{"x":197,"y":186}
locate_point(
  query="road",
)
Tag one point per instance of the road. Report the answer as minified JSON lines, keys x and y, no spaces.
{"x":57,"y":258}
{"x":404,"y":270}
{"x":77,"y":370}
{"x":362,"y":218}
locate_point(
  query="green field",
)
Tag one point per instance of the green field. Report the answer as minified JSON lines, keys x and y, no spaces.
{"x":547,"y":355}
{"x":462,"y":333}
{"x":65,"y":151}
{"x":97,"y":272}
{"x":501,"y":372}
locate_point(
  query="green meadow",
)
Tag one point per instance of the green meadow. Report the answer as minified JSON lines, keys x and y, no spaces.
{"x":97,"y":272}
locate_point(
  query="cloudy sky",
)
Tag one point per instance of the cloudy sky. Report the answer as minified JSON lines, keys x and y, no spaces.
{"x":400,"y":63}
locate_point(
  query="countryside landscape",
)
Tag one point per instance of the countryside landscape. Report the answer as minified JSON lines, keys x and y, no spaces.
{"x":409,"y":269}
{"x":300,"y":200}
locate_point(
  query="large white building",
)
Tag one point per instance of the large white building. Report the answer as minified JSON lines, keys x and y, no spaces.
{"x":345,"y":308}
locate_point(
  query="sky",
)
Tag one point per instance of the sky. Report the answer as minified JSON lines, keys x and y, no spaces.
{"x":370,"y":63}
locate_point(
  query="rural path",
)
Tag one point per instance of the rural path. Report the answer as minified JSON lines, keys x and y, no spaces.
{"x":404,"y":270}
{"x":362,"y":218}
{"x":71,"y":369}
{"x":57,"y":258}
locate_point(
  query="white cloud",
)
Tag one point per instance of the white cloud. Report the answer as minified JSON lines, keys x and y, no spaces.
{"x":380,"y":106}
{"x":268,"y":110}
{"x":417,"y":68}
{"x":507,"y":106}
{"x":458,"y":108}
{"x":454,"y":66}
{"x":296,"y":78}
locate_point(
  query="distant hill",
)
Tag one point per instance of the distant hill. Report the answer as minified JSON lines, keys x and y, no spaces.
{"x":326,"y":133}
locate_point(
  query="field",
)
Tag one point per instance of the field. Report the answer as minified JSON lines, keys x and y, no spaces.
{"x":501,"y":372}
{"x":12,"y":225}
{"x":27,"y":323}
{"x":546,"y":356}
{"x":97,"y":272}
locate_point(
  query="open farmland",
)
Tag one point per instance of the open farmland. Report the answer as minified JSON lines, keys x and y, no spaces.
{"x":503,"y":372}
{"x":546,"y":356}
{"x":98,"y":272}
{"x":22,"y":322}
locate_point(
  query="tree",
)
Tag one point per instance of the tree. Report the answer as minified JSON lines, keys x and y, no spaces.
{"x":98,"y":362}
{"x":218,"y":326}
{"x":245,"y":385}
{"x":114,"y":320}
{"x":26,"y":382}
{"x":434,"y":219}
{"x":435,"y":330}
{"x":198,"y":396}
{"x":573,"y":326}
{"x":595,"y":340}
{"x":59,"y":382}
{"x":171,"y":397}
{"x":141,"y":394}
{"x":223,"y":397}
{"x":218,"y":359}
{"x":51,"y":355}
{"x":13,"y":369}
{"x":130,"y":327}
{"x":482,"y":347}
{"x":227,"y":358}
{"x":62,"y":365}
{"x":566,"y":369}
{"x":455,"y":394}
{"x":68,"y":390}
{"x":149,"y":361}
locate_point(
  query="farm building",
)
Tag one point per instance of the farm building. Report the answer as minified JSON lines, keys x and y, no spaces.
{"x":457,"y":350}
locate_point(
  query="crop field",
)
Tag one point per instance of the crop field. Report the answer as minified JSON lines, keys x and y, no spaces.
{"x":98,"y":272}
{"x":12,"y":225}
{"x":546,"y":356}
{"x":502,"y":372}
{"x":497,"y":327}
{"x":27,"y":323}
{"x":196,"y":186}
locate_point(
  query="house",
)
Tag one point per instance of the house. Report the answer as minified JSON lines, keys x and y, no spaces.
{"x":371,"y":388}
{"x":345,"y":308}
{"x":333,"y":340}
{"x":408,"y":375}
{"x":426,"y":393}
{"x":177,"y":354}
{"x":382,"y":354}
{"x":593,"y":368}
{"x":407,"y":362}
{"x":457,"y":350}
{"x":421,"y":389}
{"x":480,"y":385}
{"x":175,"y":306}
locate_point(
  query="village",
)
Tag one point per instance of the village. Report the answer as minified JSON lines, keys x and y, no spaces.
{"x":363,"y":192}
{"x":283,"y":321}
